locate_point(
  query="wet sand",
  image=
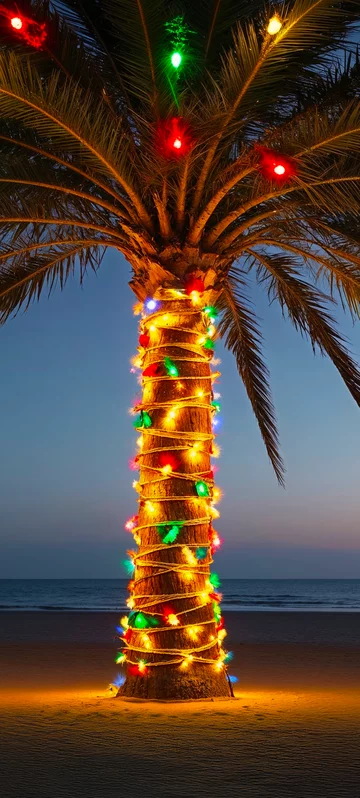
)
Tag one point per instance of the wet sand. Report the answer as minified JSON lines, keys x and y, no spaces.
{"x":294,"y":729}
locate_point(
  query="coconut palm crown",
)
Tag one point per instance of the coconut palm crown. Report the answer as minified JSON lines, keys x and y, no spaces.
{"x":81,"y":169}
{"x":88,"y":124}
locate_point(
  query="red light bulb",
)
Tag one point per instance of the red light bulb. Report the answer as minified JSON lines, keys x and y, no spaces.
{"x":275,"y":166}
{"x":279,"y":169}
{"x":16,"y":22}
{"x":177,"y":144}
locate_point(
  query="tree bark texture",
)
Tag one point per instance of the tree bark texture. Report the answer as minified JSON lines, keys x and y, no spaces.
{"x":164,"y":581}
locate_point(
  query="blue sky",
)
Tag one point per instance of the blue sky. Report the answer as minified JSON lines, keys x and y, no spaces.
{"x":67,"y":438}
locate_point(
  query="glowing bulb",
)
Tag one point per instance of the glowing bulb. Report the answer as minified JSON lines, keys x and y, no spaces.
{"x":150,"y":507}
{"x":179,"y":386}
{"x":139,"y":441}
{"x":166,"y":470}
{"x":152,"y":328}
{"x":176,"y":60}
{"x":211,"y":331}
{"x":216,"y":451}
{"x":130,"y":602}
{"x":193,"y":632}
{"x":194,"y":450}
{"x":217,"y":495}
{"x":201,"y":340}
{"x":125,"y":622}
{"x":151,"y":304}
{"x":274,"y":25}
{"x":188,"y":658}
{"x":136,"y":485}
{"x":200,"y":393}
{"x":187,"y":576}
{"x":120,"y":659}
{"x":222,"y":634}
{"x":279,"y":169}
{"x":190,"y":557}
{"x":142,"y":666}
{"x":219,"y":665}
{"x":173,"y":620}
{"x":214,"y":512}
{"x":16,"y":23}
{"x":216,"y":540}
{"x":145,"y":639}
{"x":177,"y":144}
{"x":195,"y":297}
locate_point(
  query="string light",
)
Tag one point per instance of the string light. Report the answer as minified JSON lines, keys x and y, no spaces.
{"x":151,"y":304}
{"x":171,"y":368}
{"x":176,"y":60}
{"x":274,"y":25}
{"x":160,"y":420}
{"x":33,"y":32}
{"x":16,"y":22}
{"x":202,"y":489}
{"x":275,"y":166}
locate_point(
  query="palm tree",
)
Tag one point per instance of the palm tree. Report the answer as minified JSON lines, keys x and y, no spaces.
{"x":210,"y":143}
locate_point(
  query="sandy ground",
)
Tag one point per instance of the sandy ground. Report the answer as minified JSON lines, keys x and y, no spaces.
{"x":294,"y":729}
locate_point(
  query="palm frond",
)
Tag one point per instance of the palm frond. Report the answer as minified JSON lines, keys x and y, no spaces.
{"x":23,"y":280}
{"x":239,"y":329}
{"x":65,"y":114}
{"x":306,"y":309}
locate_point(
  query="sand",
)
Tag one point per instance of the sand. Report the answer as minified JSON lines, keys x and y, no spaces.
{"x":293,"y":730}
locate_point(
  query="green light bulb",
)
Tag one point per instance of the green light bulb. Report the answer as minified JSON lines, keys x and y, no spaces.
{"x":176,"y":60}
{"x":201,"y":488}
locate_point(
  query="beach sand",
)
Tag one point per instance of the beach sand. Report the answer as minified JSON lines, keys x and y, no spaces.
{"x":293,"y":730}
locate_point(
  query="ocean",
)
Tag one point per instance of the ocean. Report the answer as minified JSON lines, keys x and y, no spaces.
{"x":109,"y":595}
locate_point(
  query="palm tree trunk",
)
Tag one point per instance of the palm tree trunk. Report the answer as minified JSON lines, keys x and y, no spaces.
{"x":171,"y":577}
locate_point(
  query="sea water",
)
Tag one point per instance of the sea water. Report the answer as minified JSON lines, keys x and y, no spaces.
{"x":102,"y":595}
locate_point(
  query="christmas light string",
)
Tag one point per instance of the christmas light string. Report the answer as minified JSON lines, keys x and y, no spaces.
{"x":197,"y":556}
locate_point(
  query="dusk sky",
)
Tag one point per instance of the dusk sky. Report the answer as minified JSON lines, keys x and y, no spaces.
{"x":65,"y":487}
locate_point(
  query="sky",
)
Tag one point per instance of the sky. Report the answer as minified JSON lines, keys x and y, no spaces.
{"x":66,"y":439}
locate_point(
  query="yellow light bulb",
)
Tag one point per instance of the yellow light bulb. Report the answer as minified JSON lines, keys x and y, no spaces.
{"x":222,"y":634}
{"x":211,"y":331}
{"x":165,"y":318}
{"x":214,"y":512}
{"x":136,"y":361}
{"x":216,"y":451}
{"x":141,"y":666}
{"x":152,"y":328}
{"x":179,"y":386}
{"x":195,"y":297}
{"x":217,"y":495}
{"x":166,"y":470}
{"x":219,"y":665}
{"x":139,"y":441}
{"x":173,"y":619}
{"x":274,"y":25}
{"x":200,"y":392}
{"x":124,"y":621}
{"x":193,"y":632}
{"x":149,"y":507}
{"x":130,"y":603}
{"x":146,"y":641}
{"x":136,"y":485}
{"x":190,"y":557}
{"x":201,"y":339}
